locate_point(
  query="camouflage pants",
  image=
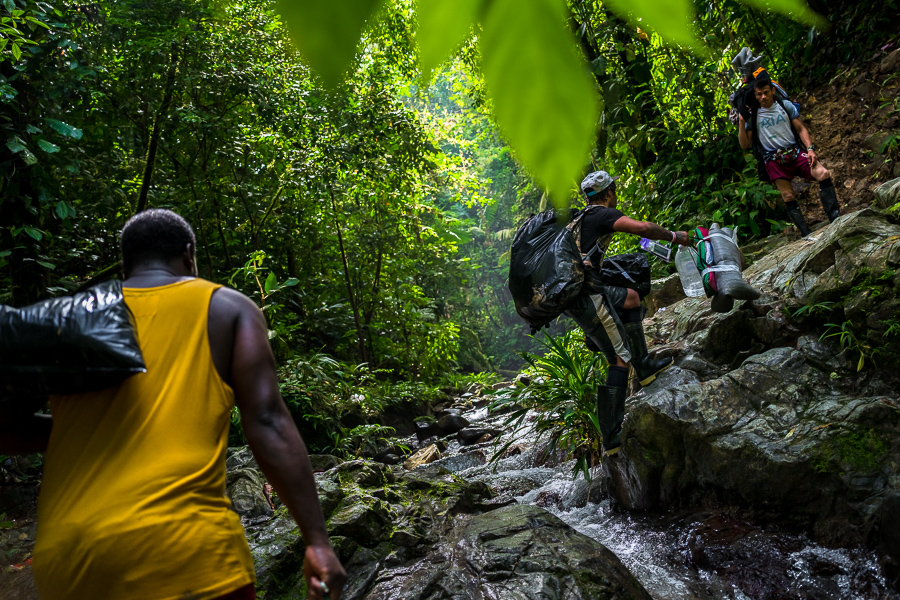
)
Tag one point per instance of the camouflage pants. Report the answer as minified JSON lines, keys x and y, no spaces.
{"x":598,"y":317}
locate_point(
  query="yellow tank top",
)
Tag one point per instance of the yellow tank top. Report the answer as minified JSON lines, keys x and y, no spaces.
{"x":132,"y":503}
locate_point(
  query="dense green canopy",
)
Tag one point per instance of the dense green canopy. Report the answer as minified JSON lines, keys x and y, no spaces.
{"x":370,"y":218}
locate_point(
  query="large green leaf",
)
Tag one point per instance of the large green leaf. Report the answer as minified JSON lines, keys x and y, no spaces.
{"x":327,"y":32}
{"x":796,"y":9}
{"x":64,"y":129}
{"x":47,"y":146}
{"x":669,"y":18}
{"x":544,"y":100}
{"x":443,"y":25}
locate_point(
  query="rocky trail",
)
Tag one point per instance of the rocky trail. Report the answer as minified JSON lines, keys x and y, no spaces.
{"x":854,"y":119}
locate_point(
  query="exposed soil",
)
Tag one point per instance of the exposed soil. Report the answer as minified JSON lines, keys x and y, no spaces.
{"x":850,"y":119}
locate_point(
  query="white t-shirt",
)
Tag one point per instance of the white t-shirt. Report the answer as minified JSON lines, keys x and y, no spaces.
{"x":774,"y":126}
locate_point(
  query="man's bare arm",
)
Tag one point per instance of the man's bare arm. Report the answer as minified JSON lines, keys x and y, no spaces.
{"x":743,"y":135}
{"x":277,"y":444}
{"x":650,"y":231}
{"x":21,"y":430}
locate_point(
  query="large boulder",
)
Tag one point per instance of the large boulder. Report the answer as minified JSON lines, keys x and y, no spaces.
{"x":763,"y":413}
{"x":512,"y":552}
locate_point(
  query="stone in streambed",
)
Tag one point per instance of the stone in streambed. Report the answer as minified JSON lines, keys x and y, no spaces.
{"x":452,"y":423}
{"x":426,"y":428}
{"x":245,"y":488}
{"x":422,"y":457}
{"x":472,"y":435}
{"x":511,"y":552}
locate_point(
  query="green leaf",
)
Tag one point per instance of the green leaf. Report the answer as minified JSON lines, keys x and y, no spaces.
{"x":16,"y":51}
{"x":327,"y":33}
{"x":544,"y":101}
{"x":47,"y":146}
{"x":796,"y":9}
{"x":292,"y":281}
{"x":33,"y":233}
{"x":671,"y":19}
{"x":443,"y":26}
{"x":271,"y":282}
{"x":15,"y":144}
{"x":46,"y":265}
{"x":64,"y":129}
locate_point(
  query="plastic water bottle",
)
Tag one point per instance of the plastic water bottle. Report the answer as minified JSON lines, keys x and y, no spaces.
{"x":691,"y":281}
{"x":656,"y":249}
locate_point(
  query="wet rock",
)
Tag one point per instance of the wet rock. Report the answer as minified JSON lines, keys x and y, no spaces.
{"x":512,"y":552}
{"x":389,"y":459}
{"x":422,"y":457}
{"x":461,"y":462}
{"x":435,"y":441}
{"x":663,"y":293}
{"x":361,"y":518}
{"x":472,"y":435}
{"x":240,"y":458}
{"x":245,"y":488}
{"x":888,"y":193}
{"x":364,"y":473}
{"x":452,"y":423}
{"x":323,"y":462}
{"x":426,"y":429}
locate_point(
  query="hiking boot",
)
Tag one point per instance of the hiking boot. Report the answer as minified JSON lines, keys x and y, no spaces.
{"x":828,"y":197}
{"x":610,"y":414}
{"x":797,"y":217}
{"x":645,"y":367}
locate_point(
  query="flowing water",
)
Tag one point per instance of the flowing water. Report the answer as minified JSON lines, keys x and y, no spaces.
{"x":677,"y":556}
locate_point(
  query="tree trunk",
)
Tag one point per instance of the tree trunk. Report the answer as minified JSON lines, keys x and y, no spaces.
{"x":155,"y":134}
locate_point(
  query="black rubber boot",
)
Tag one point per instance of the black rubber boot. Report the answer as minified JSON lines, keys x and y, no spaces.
{"x":610,"y":414}
{"x":797,"y":217}
{"x":828,"y":197}
{"x":646,"y":368}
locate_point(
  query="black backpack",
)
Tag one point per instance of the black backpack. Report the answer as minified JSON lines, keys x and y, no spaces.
{"x":545,"y":269}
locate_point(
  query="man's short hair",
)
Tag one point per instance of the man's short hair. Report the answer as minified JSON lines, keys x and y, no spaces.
{"x":155,"y":234}
{"x":762,"y":82}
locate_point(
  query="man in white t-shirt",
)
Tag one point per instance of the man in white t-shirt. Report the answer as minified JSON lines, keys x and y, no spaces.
{"x":776,"y":132}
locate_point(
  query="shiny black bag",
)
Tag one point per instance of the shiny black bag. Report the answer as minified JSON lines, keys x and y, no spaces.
{"x":623,"y":270}
{"x":68,"y":345}
{"x":545,"y":267}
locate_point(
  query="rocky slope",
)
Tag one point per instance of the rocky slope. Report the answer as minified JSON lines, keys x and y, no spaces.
{"x":762,"y":415}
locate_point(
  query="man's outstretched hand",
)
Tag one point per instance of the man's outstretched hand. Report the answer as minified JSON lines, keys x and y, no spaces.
{"x":320,"y":565}
{"x":682,"y":238}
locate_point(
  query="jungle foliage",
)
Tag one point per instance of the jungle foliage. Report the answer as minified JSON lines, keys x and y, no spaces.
{"x":366,"y":208}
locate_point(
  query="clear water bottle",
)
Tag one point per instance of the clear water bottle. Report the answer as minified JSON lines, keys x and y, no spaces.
{"x":691,"y":281}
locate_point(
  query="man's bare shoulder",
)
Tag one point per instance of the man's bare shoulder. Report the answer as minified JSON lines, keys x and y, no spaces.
{"x":228,"y":303}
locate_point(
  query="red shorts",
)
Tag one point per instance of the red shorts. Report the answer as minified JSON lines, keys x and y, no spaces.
{"x":797,"y":167}
{"x":248,"y":592}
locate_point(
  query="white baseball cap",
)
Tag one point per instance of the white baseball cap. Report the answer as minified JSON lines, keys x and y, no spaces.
{"x":596,"y":182}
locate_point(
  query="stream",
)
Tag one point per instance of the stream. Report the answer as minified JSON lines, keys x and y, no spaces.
{"x":689,"y":555}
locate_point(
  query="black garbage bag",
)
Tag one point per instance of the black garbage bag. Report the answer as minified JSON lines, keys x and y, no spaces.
{"x":545,"y":269}
{"x":622,"y":270}
{"x":68,"y":345}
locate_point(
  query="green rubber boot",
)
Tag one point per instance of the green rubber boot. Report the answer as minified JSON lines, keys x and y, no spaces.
{"x":610,"y":414}
{"x":646,"y":368}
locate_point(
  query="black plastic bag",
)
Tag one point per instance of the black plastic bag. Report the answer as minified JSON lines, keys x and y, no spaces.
{"x":68,"y":345}
{"x":545,"y":269}
{"x":622,"y":270}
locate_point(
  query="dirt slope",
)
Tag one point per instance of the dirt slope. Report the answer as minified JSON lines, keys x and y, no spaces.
{"x":850,"y":118}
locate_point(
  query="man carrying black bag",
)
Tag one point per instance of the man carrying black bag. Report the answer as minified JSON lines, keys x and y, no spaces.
{"x":611,"y":315}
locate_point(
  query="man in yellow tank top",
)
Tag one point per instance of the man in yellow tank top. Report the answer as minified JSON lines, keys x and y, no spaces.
{"x":132,"y":503}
